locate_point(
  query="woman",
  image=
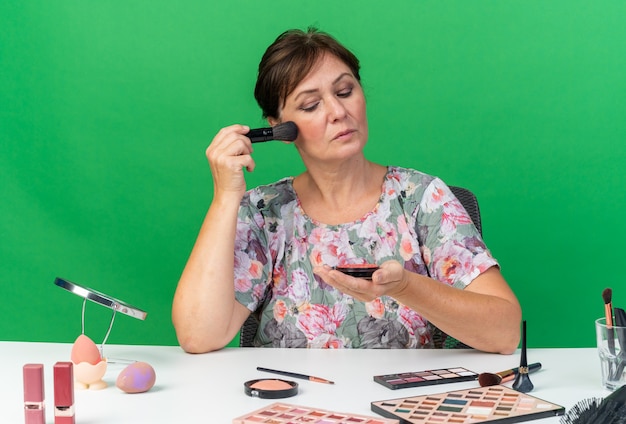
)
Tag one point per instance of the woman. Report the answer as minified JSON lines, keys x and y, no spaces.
{"x":343,"y":209}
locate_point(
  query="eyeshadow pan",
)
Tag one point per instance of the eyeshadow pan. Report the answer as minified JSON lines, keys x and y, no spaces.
{"x":316,"y":414}
{"x":455,"y":401}
{"x":480,"y":403}
{"x":478,"y":410}
{"x":425,"y":377}
{"x":450,"y":408}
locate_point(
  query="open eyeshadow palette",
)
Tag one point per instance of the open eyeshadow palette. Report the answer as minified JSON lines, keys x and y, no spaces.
{"x":284,"y":413}
{"x":425,"y":378}
{"x":483,"y":404}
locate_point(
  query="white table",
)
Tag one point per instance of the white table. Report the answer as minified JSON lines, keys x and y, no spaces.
{"x":208,"y":388}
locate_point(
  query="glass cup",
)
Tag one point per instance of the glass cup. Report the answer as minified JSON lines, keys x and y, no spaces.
{"x":611,"y":342}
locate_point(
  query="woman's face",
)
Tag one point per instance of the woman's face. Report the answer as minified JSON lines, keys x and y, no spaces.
{"x":328,"y":106}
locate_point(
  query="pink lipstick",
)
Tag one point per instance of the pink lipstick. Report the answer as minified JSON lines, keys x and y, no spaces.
{"x":63,"y":393}
{"x":34,"y":406}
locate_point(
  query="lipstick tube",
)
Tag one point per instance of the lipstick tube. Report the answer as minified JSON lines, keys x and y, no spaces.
{"x":34,"y":405}
{"x":63,"y":393}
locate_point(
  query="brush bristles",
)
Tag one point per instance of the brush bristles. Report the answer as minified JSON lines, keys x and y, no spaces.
{"x":488,"y":379}
{"x":607,"y":296}
{"x":582,"y":412}
{"x":287,"y":131}
{"x":595,"y":411}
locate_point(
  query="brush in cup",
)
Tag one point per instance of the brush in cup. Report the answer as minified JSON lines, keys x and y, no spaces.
{"x":610,"y":341}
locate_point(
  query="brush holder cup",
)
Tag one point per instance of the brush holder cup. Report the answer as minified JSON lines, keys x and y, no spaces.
{"x":611,"y":343}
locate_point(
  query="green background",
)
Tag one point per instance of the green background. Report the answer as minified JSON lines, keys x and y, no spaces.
{"x":107,"y":107}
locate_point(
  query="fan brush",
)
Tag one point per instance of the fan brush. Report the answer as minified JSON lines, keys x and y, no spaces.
{"x":610,"y":410}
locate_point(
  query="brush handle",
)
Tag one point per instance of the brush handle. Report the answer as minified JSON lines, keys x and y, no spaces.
{"x":257,"y":135}
{"x":523,"y":360}
{"x":535,"y":366}
{"x":511,"y":374}
{"x":522,"y":382}
{"x":620,"y":323}
{"x":610,"y":335}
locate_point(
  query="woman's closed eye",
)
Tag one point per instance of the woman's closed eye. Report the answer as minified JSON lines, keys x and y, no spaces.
{"x":345,"y":93}
{"x":310,"y":107}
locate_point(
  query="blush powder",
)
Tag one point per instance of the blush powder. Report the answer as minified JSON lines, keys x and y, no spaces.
{"x":271,"y":388}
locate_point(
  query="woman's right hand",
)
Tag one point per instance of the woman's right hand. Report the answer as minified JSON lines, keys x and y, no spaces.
{"x":228,"y":154}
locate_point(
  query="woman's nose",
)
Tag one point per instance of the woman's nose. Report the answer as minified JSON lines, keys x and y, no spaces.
{"x":336,"y":109}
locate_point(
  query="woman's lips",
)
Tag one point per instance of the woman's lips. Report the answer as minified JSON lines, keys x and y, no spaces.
{"x":343,"y":134}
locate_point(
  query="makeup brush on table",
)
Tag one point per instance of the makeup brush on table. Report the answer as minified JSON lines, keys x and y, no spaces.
{"x":493,"y":379}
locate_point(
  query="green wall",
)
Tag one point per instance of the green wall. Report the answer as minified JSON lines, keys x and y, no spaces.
{"x":106,"y":109}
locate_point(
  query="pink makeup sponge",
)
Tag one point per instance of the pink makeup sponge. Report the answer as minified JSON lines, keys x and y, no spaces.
{"x":85,"y":350}
{"x":138,"y":377}
{"x":89,"y":368}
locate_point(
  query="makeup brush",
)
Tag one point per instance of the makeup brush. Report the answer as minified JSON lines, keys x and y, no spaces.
{"x":493,"y":379}
{"x":611,"y":410}
{"x":607,"y":295}
{"x":287,"y":131}
{"x":620,"y":321}
{"x":522,"y":381}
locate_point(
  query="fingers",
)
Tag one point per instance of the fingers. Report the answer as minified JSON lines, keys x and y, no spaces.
{"x":359,"y":288}
{"x":388,"y":272}
{"x":230,"y":141}
{"x":228,"y":154}
{"x":387,"y":280}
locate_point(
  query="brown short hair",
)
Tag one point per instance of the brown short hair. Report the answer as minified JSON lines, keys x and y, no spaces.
{"x":289,"y":59}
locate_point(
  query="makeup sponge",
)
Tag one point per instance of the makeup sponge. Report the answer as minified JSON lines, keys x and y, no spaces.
{"x":138,"y":377}
{"x":85,"y":350}
{"x":89,"y":367}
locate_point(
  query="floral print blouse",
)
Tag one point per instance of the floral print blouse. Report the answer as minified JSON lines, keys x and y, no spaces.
{"x":417,"y":221}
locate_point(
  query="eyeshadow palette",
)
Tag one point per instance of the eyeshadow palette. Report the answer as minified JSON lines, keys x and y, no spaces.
{"x":483,"y":404}
{"x":284,"y":413}
{"x":425,"y":378}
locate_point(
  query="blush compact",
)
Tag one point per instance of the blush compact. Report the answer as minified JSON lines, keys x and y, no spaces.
{"x":358,"y":270}
{"x":271,"y":388}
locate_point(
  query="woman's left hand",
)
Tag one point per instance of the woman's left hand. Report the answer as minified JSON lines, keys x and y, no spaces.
{"x":389,"y":279}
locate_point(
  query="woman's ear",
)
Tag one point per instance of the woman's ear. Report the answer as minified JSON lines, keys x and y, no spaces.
{"x":273,"y":121}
